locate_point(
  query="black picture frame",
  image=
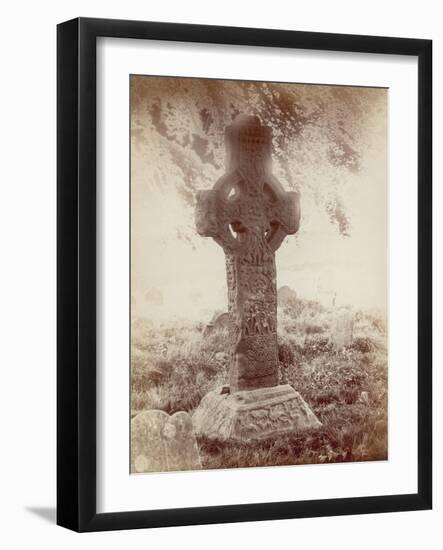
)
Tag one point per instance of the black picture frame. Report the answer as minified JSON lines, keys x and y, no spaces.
{"x":76,"y":274}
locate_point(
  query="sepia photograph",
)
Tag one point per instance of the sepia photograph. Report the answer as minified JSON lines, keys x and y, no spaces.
{"x":258,"y":274}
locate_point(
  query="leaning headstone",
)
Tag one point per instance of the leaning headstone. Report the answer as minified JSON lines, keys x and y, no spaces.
{"x":219,"y":321}
{"x":342,"y":328}
{"x":286,"y":296}
{"x":147,"y":442}
{"x":181,"y":445}
{"x":249,"y":214}
{"x":162,"y":443}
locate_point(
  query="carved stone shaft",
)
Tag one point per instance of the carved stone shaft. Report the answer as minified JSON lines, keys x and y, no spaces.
{"x":248,"y":213}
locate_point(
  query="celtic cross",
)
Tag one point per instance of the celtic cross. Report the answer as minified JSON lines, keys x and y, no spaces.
{"x":248,"y":213}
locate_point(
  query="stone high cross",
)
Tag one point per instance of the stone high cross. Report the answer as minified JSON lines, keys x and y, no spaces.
{"x":248,"y":213}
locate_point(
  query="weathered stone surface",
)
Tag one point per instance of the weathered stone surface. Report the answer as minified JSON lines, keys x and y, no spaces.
{"x":161,"y":443}
{"x":248,"y":213}
{"x":147,"y":444}
{"x":181,"y":445}
{"x":286,"y":296}
{"x":220,"y":321}
{"x":342,"y":329}
{"x":254,"y":414}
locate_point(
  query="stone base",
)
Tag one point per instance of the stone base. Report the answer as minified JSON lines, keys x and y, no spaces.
{"x":253,"y":414}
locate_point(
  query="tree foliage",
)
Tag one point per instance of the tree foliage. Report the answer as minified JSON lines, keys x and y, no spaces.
{"x":320,"y":135}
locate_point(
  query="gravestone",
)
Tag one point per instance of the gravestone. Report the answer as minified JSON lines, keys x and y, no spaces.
{"x":286,"y":296}
{"x":219,"y":321}
{"x":342,"y":329}
{"x":163,"y":443}
{"x":249,"y":214}
{"x":181,"y":445}
{"x":147,"y":445}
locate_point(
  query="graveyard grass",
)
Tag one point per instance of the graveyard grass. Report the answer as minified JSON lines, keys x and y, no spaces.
{"x":174,"y":366}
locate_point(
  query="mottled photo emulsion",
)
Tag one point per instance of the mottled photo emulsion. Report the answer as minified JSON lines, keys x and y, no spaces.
{"x":259,"y":273}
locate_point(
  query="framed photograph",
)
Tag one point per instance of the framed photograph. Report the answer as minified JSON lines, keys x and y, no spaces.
{"x":244,"y":274}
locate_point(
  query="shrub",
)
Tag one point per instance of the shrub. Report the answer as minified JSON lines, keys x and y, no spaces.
{"x":314,"y":329}
{"x":363,"y":344}
{"x":286,"y":354}
{"x":314,"y":345}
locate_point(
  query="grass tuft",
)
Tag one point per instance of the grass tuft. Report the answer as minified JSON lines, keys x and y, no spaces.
{"x":174,"y":366}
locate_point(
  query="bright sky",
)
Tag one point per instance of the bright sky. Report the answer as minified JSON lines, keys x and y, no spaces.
{"x":316,"y":263}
